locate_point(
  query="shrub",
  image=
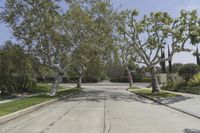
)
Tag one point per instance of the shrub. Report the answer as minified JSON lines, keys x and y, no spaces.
{"x":195,"y":80}
{"x":120,"y":80}
{"x":16,"y":70}
{"x":125,"y":79}
{"x":192,"y":86}
{"x":188,"y":89}
{"x":188,"y":70}
{"x":182,"y":87}
{"x":170,"y":86}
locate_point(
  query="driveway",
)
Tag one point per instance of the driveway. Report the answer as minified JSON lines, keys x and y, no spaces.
{"x":106,"y":108}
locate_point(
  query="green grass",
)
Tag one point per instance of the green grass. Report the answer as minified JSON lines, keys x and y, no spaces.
{"x":43,"y":87}
{"x":147,"y":92}
{"x":133,"y":88}
{"x":69,"y":91}
{"x":10,"y":107}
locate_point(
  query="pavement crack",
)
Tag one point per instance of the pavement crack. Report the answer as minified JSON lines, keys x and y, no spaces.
{"x":10,"y":129}
{"x":109,"y":129}
{"x":105,"y":112}
{"x":59,"y":118}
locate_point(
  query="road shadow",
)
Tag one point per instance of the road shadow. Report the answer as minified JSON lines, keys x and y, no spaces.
{"x":172,"y":100}
{"x":101,"y":95}
{"x":191,"y":131}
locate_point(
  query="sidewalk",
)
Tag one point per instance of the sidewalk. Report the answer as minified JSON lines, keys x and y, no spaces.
{"x":188,"y":103}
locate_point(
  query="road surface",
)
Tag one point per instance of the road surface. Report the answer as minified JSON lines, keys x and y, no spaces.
{"x":104,"y":108}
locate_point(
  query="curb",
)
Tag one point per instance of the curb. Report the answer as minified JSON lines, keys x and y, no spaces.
{"x":177,"y":109}
{"x":12,"y":116}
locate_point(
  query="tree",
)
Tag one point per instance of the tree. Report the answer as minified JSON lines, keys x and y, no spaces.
{"x":197,"y":56}
{"x":170,"y":61}
{"x":126,"y":53}
{"x":163,"y":66}
{"x":91,"y":33}
{"x":80,"y":22}
{"x":175,"y":67}
{"x":152,"y":33}
{"x":17,"y":71}
{"x":38,"y":26}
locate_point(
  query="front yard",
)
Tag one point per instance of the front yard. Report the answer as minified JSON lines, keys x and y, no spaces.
{"x":16,"y":105}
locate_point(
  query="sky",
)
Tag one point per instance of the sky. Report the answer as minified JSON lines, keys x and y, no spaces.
{"x":173,"y":7}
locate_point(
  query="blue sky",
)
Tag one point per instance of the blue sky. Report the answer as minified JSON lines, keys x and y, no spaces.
{"x":173,"y":7}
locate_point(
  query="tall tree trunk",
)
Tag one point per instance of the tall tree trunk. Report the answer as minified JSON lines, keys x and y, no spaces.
{"x":130,"y":79}
{"x":163,"y":65}
{"x":79,"y":80}
{"x":197,"y":57}
{"x":170,"y":61}
{"x":1,"y":93}
{"x":57,"y":80}
{"x":154,"y":82}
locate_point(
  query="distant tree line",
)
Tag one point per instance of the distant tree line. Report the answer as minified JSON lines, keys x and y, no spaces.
{"x":89,"y":40}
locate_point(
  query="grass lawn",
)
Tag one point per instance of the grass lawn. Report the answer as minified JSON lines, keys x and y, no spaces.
{"x":147,"y":92}
{"x":43,"y":87}
{"x":10,"y":107}
{"x":133,"y":88}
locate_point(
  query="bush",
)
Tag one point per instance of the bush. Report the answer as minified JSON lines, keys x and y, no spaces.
{"x":16,"y":69}
{"x":125,"y":79}
{"x":90,"y":80}
{"x":120,"y":80}
{"x":195,"y":80}
{"x":182,"y":87}
{"x":170,"y":86}
{"x":188,"y":70}
{"x":192,"y":86}
{"x":188,"y":89}
{"x":145,"y":79}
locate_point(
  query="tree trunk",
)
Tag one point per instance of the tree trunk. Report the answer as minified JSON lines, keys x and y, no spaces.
{"x":54,"y":87}
{"x":130,"y":79}
{"x":1,"y":93}
{"x":170,"y":61}
{"x":79,"y":81}
{"x":154,"y":82}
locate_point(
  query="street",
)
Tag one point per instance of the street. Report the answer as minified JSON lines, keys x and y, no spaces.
{"x":104,"y":108}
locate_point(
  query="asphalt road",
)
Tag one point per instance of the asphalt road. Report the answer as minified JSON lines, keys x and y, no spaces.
{"x":105,"y":108}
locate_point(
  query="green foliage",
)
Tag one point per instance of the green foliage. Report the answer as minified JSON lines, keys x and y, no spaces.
{"x":17,"y":72}
{"x":39,"y":27}
{"x":133,"y":88}
{"x":68,"y":91}
{"x":10,"y":107}
{"x":195,"y":80}
{"x":77,"y":37}
{"x":147,"y":36}
{"x":42,"y":87}
{"x":170,"y":86}
{"x":175,"y":67}
{"x":188,"y":89}
{"x":192,"y":86}
{"x":92,"y":35}
{"x":188,"y":70}
{"x":118,"y":73}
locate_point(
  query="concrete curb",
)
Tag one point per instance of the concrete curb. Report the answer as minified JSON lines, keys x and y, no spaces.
{"x":22,"y":112}
{"x":177,"y":109}
{"x":9,"y":117}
